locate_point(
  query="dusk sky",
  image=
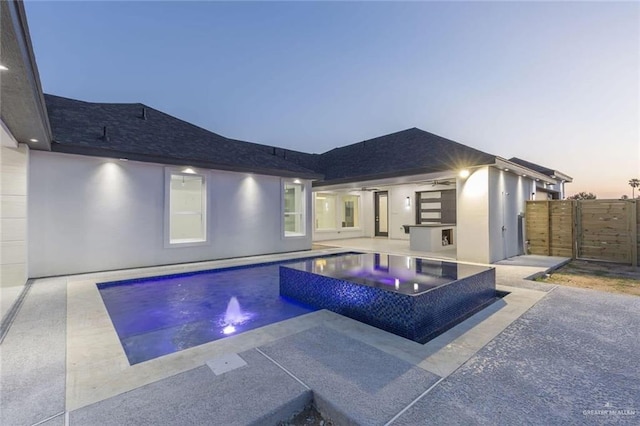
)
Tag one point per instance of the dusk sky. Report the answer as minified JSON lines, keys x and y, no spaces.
{"x":554,"y":83}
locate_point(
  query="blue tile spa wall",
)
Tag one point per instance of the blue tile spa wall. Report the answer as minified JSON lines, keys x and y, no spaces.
{"x":418,"y":317}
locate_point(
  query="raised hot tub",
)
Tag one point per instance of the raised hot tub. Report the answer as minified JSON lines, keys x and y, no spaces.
{"x":411,"y":297}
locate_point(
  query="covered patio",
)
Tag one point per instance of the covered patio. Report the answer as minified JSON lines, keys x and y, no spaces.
{"x":385,"y":245}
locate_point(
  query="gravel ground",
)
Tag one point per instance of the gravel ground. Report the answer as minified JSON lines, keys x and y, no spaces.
{"x":610,"y":277}
{"x":308,"y":417}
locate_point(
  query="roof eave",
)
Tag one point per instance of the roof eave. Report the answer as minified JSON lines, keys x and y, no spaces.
{"x":30,"y":98}
{"x":145,"y":158}
{"x":378,"y":176}
{"x":562,"y":176}
{"x":503,"y":163}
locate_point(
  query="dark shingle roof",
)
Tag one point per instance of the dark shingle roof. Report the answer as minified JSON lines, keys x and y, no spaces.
{"x":544,"y":170}
{"x":78,"y":128}
{"x":407,"y":152}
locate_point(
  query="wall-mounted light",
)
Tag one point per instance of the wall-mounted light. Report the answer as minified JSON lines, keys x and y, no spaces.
{"x":296,"y":181}
{"x":407,"y":202}
{"x":33,"y":140}
{"x":189,"y":170}
{"x":3,"y":68}
{"x":464,"y":173}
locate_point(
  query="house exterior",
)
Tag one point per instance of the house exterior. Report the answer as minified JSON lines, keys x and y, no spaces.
{"x":125,"y":185}
{"x":412,"y":177}
{"x":545,"y":190}
{"x":94,"y":186}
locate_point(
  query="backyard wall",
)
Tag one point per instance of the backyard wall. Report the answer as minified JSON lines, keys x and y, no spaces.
{"x":91,"y":214}
{"x":607,"y":230}
{"x":14,"y":166}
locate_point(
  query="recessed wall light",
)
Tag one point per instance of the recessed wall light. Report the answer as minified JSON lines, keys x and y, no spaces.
{"x":33,"y":140}
{"x":3,"y":68}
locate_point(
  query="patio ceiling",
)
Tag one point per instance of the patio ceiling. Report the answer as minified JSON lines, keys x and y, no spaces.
{"x":22,"y":108}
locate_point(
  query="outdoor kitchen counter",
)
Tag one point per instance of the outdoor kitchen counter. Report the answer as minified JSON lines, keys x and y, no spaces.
{"x":432,"y":237}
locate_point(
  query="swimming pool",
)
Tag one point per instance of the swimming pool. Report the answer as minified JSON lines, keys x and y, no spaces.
{"x":161,"y":315}
{"x":414,"y":298}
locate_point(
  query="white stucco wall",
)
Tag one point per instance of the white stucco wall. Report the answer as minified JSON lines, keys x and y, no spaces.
{"x":488,"y":200}
{"x":473,"y":217}
{"x":91,"y":214}
{"x":507,"y":195}
{"x":399,"y":213}
{"x":14,"y":167}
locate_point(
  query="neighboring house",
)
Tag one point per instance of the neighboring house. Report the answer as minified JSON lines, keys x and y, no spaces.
{"x":94,"y":186}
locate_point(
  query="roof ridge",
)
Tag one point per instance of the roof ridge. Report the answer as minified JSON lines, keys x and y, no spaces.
{"x":49,"y":95}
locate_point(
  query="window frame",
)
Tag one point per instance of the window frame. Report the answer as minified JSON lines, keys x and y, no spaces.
{"x":336,"y":213}
{"x":303,"y":208}
{"x":172,"y":171}
{"x":357,"y":217}
{"x":339,"y":214}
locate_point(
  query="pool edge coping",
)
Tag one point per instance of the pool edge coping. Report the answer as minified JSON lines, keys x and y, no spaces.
{"x":97,"y":367}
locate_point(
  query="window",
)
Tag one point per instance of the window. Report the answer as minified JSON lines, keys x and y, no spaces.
{"x":325,"y":211}
{"x":351,"y":211}
{"x":336,"y":211}
{"x":187,"y":208}
{"x":293,"y":209}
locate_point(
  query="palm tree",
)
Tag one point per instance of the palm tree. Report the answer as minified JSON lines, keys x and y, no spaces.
{"x":634,"y":183}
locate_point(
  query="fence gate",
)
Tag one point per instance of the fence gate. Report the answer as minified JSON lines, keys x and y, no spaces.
{"x":606,"y":230}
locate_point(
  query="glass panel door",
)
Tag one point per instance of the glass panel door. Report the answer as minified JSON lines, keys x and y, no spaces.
{"x":381,"y":214}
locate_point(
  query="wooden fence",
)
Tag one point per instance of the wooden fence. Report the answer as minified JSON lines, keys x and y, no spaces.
{"x":607,"y":230}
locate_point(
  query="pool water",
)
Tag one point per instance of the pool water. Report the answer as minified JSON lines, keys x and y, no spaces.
{"x":161,"y":315}
{"x":411,"y":297}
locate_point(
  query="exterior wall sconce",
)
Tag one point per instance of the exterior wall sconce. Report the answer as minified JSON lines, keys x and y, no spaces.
{"x":407,"y":202}
{"x":464,"y":173}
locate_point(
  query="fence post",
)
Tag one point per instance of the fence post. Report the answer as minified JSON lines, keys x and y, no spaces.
{"x":634,"y":233}
{"x":578,"y":227}
{"x":548,"y":228}
{"x":574,"y":229}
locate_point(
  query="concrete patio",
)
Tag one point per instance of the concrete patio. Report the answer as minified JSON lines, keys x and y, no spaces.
{"x":542,"y":355}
